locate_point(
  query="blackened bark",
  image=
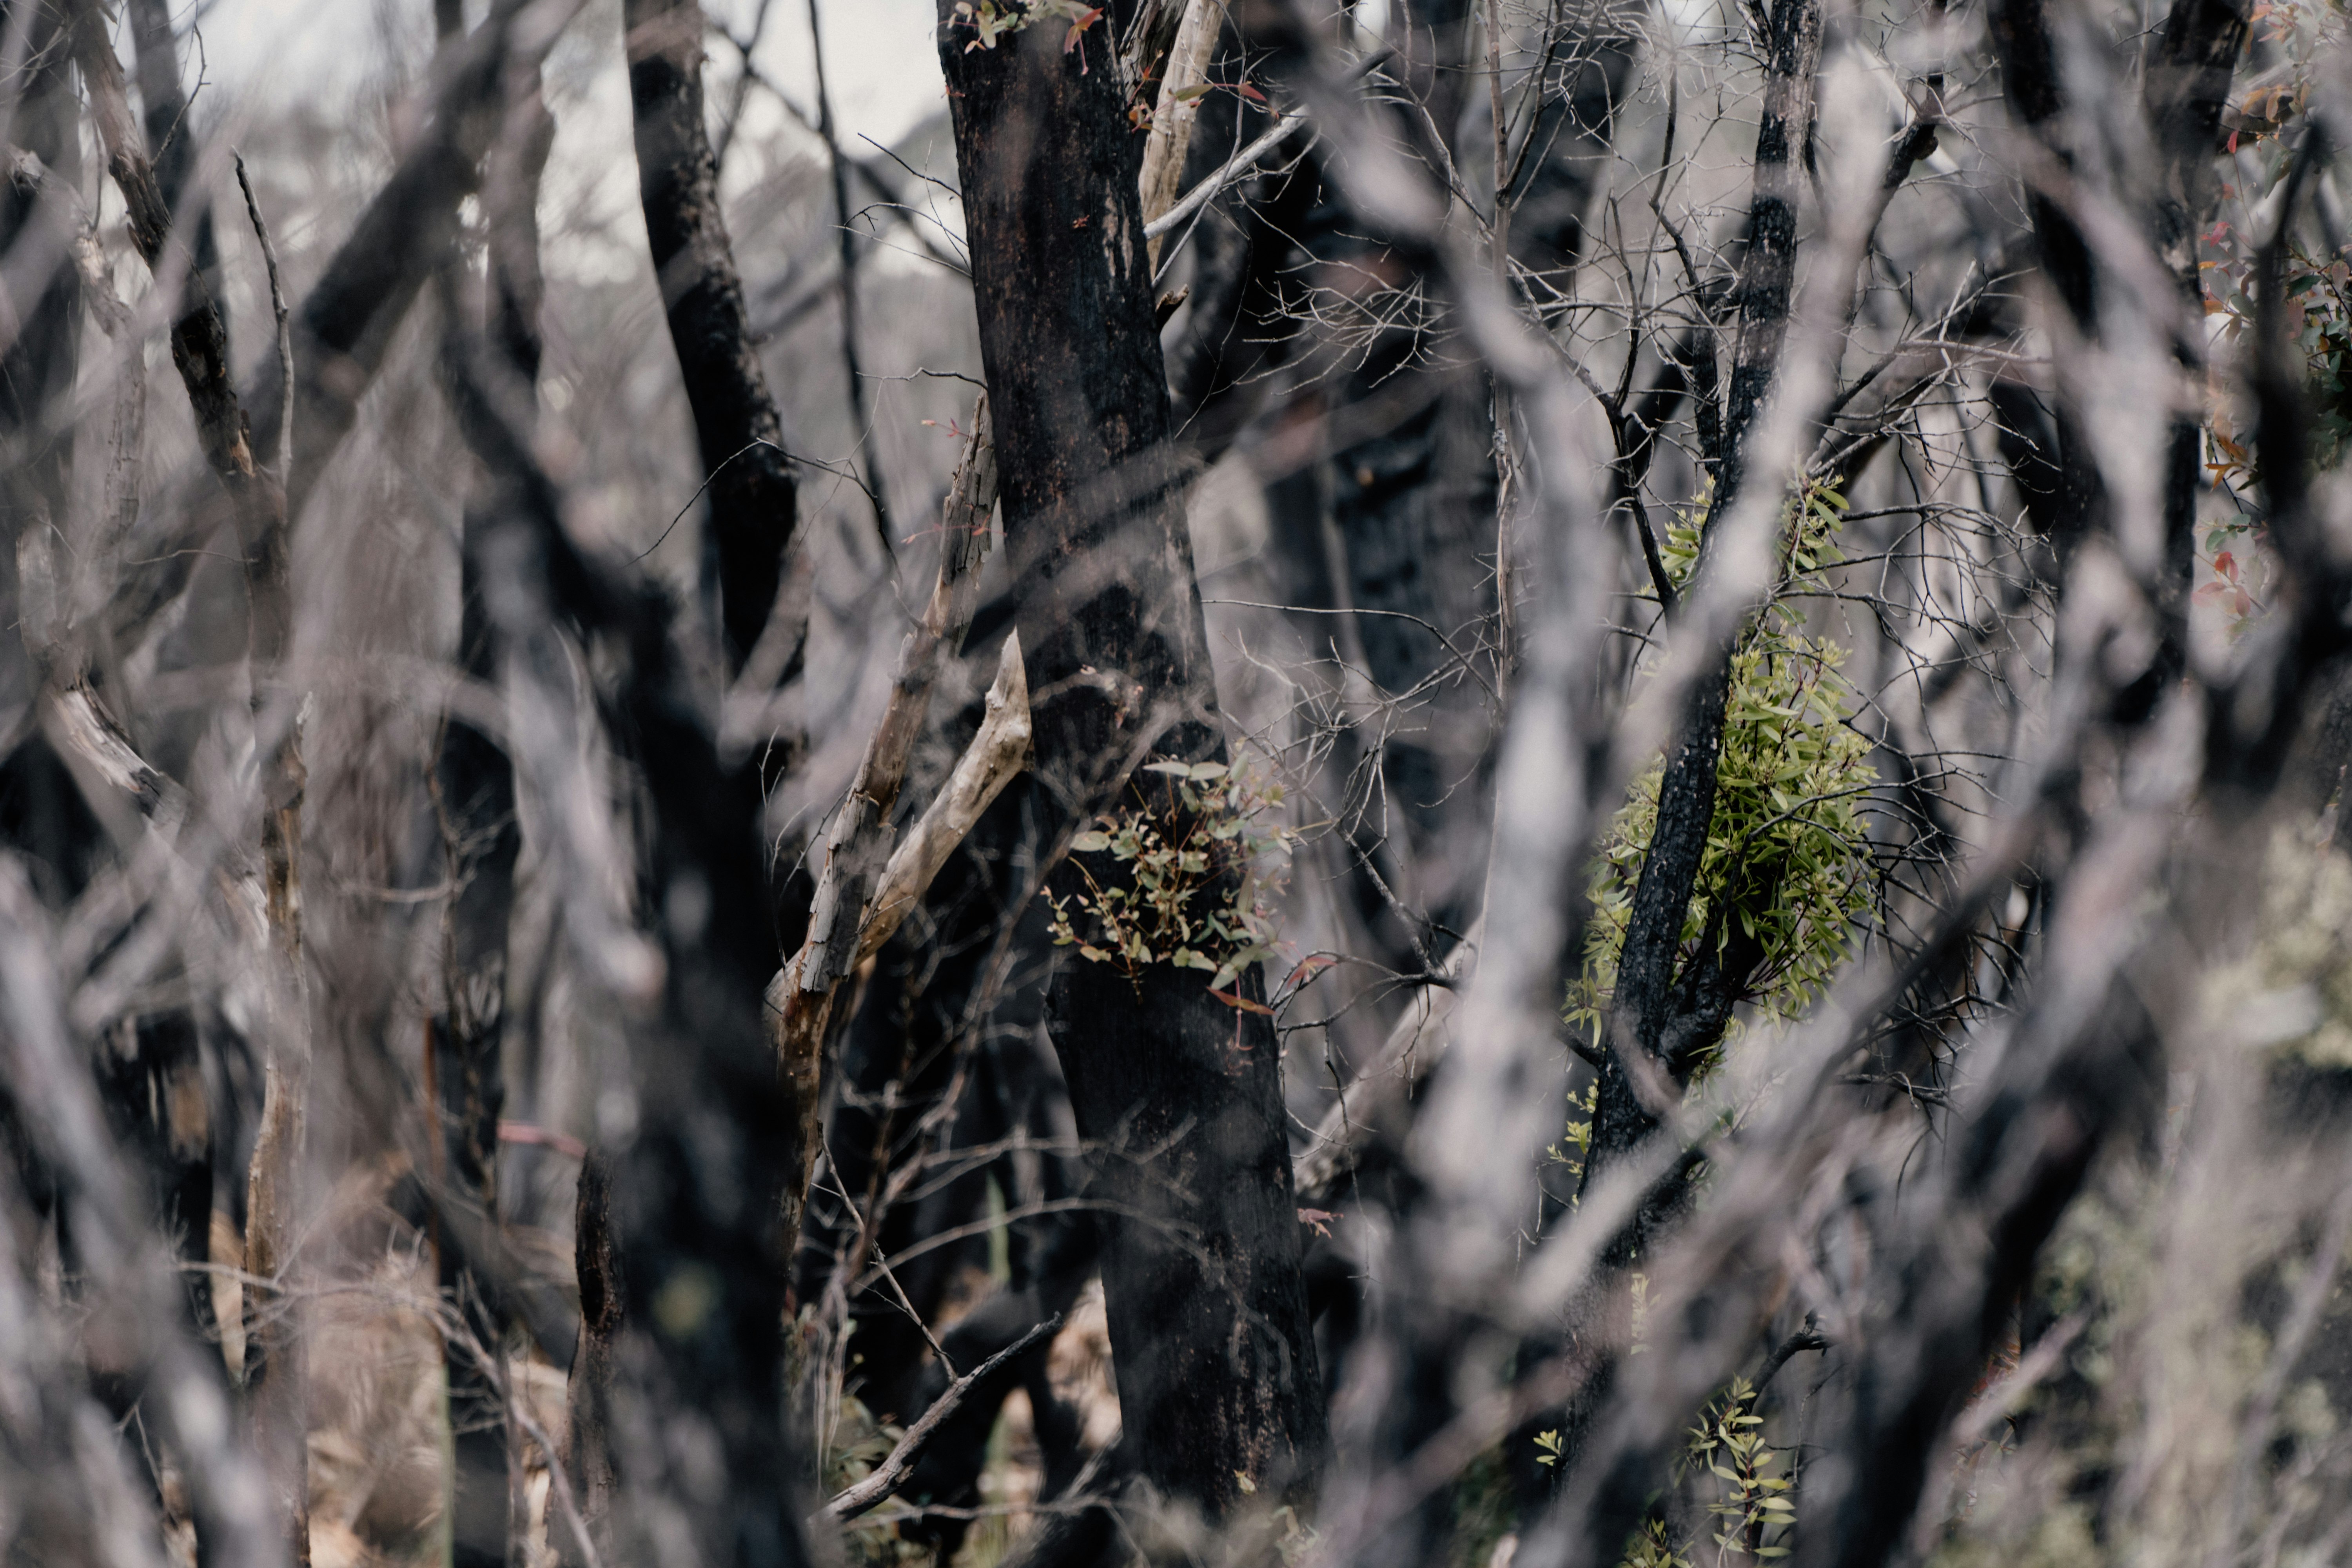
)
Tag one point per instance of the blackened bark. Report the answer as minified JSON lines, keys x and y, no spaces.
{"x":923,"y":1027}
{"x":1667,"y":1013}
{"x":596,"y":1261}
{"x":199,"y":335}
{"x":2030,"y":77}
{"x":153,"y":1079}
{"x":42,"y":292}
{"x":933,"y":1023}
{"x":2190,"y":67}
{"x":950,"y":1470}
{"x":753,"y":503}
{"x":1646,"y":1007}
{"x":1215,"y":1363}
{"x":1560,"y":156}
{"x":1792,"y":56}
{"x":695,"y":1198}
{"x":163,"y":106}
{"x":2188,"y":87}
{"x":1246,"y":309}
{"x":149,"y":1070}
{"x":482,"y":839}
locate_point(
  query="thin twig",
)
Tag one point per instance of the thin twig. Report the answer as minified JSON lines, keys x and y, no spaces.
{"x":892,"y":1473}
{"x":1241,"y":162}
{"x":285,"y":327}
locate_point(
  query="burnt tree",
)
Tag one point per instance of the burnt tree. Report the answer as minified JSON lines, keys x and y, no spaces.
{"x":751,"y":496}
{"x":1216,"y":1368}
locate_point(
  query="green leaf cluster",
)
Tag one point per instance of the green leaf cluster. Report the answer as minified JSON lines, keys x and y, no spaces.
{"x":993,"y":20}
{"x":1652,"y":1548}
{"x":1188,"y":879}
{"x":1755,"y":1509}
{"x":1787,"y":860}
{"x":1728,"y":1443}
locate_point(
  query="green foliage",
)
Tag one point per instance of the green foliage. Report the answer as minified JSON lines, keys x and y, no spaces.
{"x":1189,"y":881}
{"x":1728,"y":1441}
{"x":993,"y":20}
{"x":1578,"y":1141}
{"x":1755,"y":1509}
{"x":1787,"y":861}
{"x":1651,"y":1548}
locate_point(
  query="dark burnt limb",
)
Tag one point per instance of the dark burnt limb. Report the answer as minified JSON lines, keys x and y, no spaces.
{"x":1768,"y":271}
{"x":1245,"y":310}
{"x":588,"y":1426}
{"x":345,"y":325}
{"x":1644,"y":1007}
{"x":1669,"y":1011}
{"x":163,"y":106}
{"x":149,"y":1070}
{"x":846,"y":243}
{"x":753,"y":499}
{"x":2187,"y":88}
{"x":481,"y":841}
{"x":695,"y":1318}
{"x":893,"y":1471}
{"x":41,"y":291}
{"x":39,"y":365}
{"x":276,"y":1370}
{"x":2028,"y":54}
{"x":2190,"y":65}
{"x":1215,"y":1362}
{"x":199,"y":336}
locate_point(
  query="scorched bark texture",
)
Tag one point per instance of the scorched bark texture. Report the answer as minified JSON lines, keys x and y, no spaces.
{"x":1208,"y":1317}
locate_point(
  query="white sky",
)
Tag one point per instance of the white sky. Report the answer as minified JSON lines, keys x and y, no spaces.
{"x":880,"y":61}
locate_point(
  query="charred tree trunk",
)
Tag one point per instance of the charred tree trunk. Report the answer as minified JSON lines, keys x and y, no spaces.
{"x":594,"y":1369}
{"x":2029,"y":61}
{"x":696,"y":1355}
{"x":1208,"y":1322}
{"x":163,"y":106}
{"x":751,"y":496}
{"x":1667,"y":1011}
{"x":276,"y":1373}
{"x":482,"y":839}
{"x":1670,"y":1010}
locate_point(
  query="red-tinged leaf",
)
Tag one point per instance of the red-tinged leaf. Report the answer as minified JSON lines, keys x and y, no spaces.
{"x":1252,"y":93}
{"x":1313,"y":963}
{"x":2227,"y":565}
{"x":1242,"y":1003}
